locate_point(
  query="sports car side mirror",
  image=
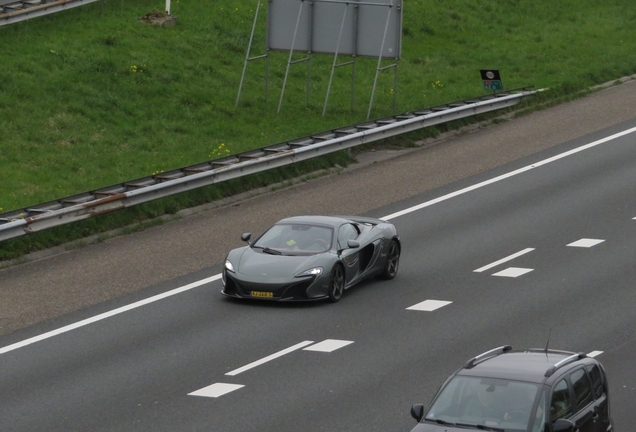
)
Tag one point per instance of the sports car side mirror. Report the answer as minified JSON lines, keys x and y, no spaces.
{"x":417,"y":412}
{"x":351,"y":244}
{"x":246,"y":237}
{"x":563,"y":425}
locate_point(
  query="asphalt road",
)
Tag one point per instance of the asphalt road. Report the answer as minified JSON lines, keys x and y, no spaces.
{"x":359,"y":364}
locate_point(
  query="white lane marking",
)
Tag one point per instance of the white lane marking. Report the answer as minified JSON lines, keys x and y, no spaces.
{"x":429,"y":305}
{"x":328,"y":345}
{"x":508,"y":175}
{"x":594,"y":353}
{"x":216,"y":390}
{"x":220,"y":389}
{"x":389,"y":217}
{"x":503,"y":260}
{"x":269,"y":358}
{"x":513,"y":272}
{"x":586,"y":243}
{"x":108,"y":314}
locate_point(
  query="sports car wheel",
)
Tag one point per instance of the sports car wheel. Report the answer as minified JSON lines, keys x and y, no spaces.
{"x":392,"y":261}
{"x":336,"y":286}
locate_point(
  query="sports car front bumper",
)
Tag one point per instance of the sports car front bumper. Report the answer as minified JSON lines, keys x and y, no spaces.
{"x":296,"y":289}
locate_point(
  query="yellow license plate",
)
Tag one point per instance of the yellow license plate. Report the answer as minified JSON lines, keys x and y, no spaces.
{"x":262,"y":294}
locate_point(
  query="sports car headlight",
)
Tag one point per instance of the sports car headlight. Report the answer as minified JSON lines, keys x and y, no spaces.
{"x":316,"y":271}
{"x":229,"y":266}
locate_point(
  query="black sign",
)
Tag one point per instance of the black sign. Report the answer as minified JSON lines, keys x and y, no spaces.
{"x":490,"y":75}
{"x":491,"y":79}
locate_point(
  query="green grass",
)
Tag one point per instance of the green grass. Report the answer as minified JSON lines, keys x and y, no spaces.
{"x":91,"y":96}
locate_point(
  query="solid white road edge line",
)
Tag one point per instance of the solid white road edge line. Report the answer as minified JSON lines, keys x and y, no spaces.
{"x":389,"y":217}
{"x":108,"y":314}
{"x":503,"y":260}
{"x":508,"y":175}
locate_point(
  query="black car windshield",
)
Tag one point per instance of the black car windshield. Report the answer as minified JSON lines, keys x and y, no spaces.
{"x":486,"y":403}
{"x":296,"y":239}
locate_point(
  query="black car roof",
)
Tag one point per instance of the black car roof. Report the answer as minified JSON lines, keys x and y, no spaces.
{"x":530,"y":366}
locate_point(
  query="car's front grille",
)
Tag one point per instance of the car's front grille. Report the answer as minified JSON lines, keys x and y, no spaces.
{"x":295,"y":291}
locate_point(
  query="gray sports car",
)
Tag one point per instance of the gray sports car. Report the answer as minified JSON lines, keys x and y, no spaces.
{"x":312,"y":258}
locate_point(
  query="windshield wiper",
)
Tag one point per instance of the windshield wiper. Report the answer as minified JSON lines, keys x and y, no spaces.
{"x":481,"y":427}
{"x":443,"y":422}
{"x":456,"y":425}
{"x":270,"y":250}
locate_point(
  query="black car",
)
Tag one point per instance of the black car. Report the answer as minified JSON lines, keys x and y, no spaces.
{"x":537,"y":390}
{"x":312,"y":258}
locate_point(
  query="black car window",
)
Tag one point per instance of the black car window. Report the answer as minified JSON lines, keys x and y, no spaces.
{"x":296,"y":239}
{"x":597,"y":381}
{"x":582,"y":388}
{"x":561,"y":403}
{"x":538,"y":423}
{"x":486,"y":401}
{"x":346,"y":232}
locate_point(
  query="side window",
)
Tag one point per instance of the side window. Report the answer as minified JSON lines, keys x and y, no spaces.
{"x":582,"y":388}
{"x":597,"y":381}
{"x":346,"y":232}
{"x":561,"y":403}
{"x":538,"y":424}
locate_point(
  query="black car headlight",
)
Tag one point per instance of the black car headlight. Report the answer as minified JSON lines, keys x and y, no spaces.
{"x":316,"y":271}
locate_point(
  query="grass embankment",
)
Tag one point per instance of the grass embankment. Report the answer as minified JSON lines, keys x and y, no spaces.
{"x":91,"y":96}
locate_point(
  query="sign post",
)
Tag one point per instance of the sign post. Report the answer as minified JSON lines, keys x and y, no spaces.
{"x":168,"y":7}
{"x":491,"y":79}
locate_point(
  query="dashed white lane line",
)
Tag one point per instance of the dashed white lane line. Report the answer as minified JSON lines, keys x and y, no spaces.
{"x":269,"y":358}
{"x":594,"y":353}
{"x":429,"y":305}
{"x":328,"y":345}
{"x":513,"y":272}
{"x":216,"y":390}
{"x":503,"y":260}
{"x":219,"y":389}
{"x":586,"y":243}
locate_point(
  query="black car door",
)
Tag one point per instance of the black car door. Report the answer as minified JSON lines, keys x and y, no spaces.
{"x":582,"y":401}
{"x":601,"y":400}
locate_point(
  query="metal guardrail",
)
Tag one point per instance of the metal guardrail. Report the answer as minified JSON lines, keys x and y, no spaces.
{"x":85,"y":205}
{"x":13,"y":11}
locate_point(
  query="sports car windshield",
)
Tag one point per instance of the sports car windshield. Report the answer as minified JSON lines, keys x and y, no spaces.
{"x":295,"y":239}
{"x":498,"y":404}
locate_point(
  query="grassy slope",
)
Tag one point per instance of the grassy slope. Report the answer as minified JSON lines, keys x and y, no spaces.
{"x":91,"y":97}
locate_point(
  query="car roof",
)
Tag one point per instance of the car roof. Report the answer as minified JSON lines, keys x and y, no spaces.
{"x":531,"y":366}
{"x":321,"y":220}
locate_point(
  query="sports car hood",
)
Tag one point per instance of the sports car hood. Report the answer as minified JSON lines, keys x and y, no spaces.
{"x":253,"y":263}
